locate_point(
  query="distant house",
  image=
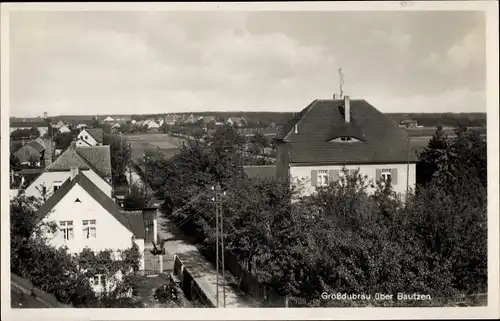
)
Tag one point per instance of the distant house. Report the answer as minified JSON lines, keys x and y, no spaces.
{"x":81,"y":126}
{"x":108,"y":119}
{"x":90,"y":137}
{"x":171,"y":119}
{"x":133,"y":121}
{"x":191,"y":119}
{"x":151,"y":124}
{"x":208,"y":120}
{"x":330,"y":135}
{"x":58,"y":125}
{"x":94,"y":162}
{"x":236,"y":121}
{"x":34,"y":149}
{"x":409,"y":123}
{"x":88,"y":218}
{"x":41,"y":126}
{"x":64,"y":129}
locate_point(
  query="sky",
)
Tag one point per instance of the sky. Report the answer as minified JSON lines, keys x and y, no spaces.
{"x":97,"y":62}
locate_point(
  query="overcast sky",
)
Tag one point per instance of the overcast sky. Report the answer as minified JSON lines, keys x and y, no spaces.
{"x":155,"y":62}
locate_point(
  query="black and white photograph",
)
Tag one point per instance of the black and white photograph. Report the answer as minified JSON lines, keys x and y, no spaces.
{"x":224,"y":156}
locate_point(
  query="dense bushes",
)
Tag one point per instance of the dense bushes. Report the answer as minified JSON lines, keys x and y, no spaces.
{"x":342,"y":238}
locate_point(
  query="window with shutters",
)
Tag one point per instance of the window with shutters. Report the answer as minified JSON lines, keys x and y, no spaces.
{"x":322,"y":178}
{"x":385,"y":175}
{"x":89,"y":229}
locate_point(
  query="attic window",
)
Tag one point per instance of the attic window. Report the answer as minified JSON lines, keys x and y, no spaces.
{"x":345,"y":139}
{"x":78,"y":200}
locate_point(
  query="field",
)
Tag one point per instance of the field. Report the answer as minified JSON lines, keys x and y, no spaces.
{"x":141,"y":143}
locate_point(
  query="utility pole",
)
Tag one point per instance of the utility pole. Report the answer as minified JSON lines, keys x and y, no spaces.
{"x":219,"y":250}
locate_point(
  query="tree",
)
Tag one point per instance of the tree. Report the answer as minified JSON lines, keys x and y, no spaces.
{"x":15,"y":164}
{"x":63,"y":140}
{"x":138,"y":197}
{"x":121,"y":153}
{"x":34,"y":162}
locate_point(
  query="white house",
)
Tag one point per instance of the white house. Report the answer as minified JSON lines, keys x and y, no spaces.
{"x":64,"y":129}
{"x":88,"y":218}
{"x":152,"y":125}
{"x":94,"y":162}
{"x":81,"y":126}
{"x":329,"y":135}
{"x":90,"y":137}
{"x":108,"y":119}
{"x":236,"y":121}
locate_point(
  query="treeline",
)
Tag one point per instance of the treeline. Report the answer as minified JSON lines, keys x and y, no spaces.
{"x":442,"y":119}
{"x":342,"y":238}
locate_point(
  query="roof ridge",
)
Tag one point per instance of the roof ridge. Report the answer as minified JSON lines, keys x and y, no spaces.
{"x":309,"y":107}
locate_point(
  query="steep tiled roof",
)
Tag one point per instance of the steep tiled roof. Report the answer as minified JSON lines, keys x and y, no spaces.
{"x":66,"y":160}
{"x":96,"y":133}
{"x":381,"y":138}
{"x":261,"y":172}
{"x":129,"y":221}
{"x":98,"y":156}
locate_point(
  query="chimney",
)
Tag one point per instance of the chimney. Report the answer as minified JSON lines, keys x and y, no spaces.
{"x":347,"y":109}
{"x":74,"y":171}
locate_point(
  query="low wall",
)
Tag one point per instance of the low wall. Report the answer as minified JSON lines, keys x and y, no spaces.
{"x":191,"y":289}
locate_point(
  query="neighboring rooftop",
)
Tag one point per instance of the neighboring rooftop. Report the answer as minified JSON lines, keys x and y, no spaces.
{"x":310,"y":133}
{"x":97,"y":158}
{"x":96,"y":133}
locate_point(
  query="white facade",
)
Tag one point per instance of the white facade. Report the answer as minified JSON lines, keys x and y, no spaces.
{"x":77,"y":212}
{"x":109,"y":118}
{"x":84,"y":139}
{"x":51,"y":179}
{"x":64,"y":129}
{"x":303,"y":174}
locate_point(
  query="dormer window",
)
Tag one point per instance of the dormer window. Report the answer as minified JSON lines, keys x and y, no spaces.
{"x":345,"y":139}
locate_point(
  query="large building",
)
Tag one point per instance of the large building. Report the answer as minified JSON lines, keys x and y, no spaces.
{"x":330,"y":135}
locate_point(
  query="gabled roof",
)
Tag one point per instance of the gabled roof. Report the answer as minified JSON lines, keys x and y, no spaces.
{"x":236,"y":120}
{"x":382,"y":141}
{"x":208,"y":119}
{"x":96,"y":133}
{"x":131,"y":223}
{"x":97,"y":158}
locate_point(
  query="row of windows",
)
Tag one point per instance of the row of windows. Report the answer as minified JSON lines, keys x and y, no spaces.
{"x":88,"y":229}
{"x":323,"y":177}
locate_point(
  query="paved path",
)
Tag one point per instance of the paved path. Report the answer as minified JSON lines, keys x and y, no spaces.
{"x":202,"y":271}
